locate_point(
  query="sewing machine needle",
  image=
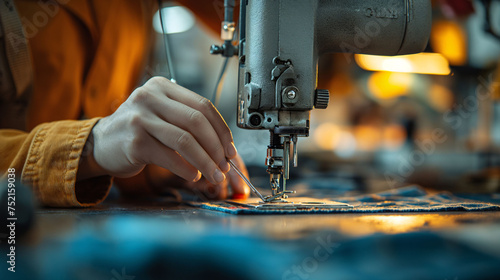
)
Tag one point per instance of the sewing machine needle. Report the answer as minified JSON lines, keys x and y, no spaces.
{"x":246,"y":180}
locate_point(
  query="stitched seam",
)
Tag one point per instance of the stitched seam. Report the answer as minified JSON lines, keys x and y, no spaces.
{"x":70,"y":181}
{"x":30,"y":174}
{"x":74,"y":159}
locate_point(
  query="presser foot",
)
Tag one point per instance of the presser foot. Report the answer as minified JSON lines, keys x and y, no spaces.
{"x":277,"y":198}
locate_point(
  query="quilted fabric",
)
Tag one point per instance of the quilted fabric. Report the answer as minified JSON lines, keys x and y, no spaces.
{"x":407,"y":199}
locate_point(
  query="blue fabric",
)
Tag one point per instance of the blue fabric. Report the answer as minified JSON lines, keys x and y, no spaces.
{"x":134,"y":247}
{"x":407,"y":199}
{"x":141,"y":247}
{"x":157,"y":246}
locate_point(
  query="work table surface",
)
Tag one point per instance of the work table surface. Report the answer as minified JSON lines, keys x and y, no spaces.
{"x":140,"y":238}
{"x":279,"y":227}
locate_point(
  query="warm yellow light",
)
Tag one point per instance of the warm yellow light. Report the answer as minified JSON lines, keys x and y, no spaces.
{"x":397,"y":64}
{"x":394,"y":136}
{"x":395,"y":223}
{"x":420,"y":63}
{"x":326,"y":136}
{"x":448,"y":38}
{"x":341,"y":84}
{"x":387,"y":85}
{"x":368,"y":137}
{"x":440,"y":98}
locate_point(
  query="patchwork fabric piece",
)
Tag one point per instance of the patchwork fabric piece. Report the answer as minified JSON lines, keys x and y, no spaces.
{"x":407,"y":199}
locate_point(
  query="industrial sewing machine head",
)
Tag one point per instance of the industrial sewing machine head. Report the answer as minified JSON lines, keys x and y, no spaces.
{"x":280,"y":42}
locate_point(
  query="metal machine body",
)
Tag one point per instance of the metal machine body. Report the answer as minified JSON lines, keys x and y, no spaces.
{"x":280,"y":42}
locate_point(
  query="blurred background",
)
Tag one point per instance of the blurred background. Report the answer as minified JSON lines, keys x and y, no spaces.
{"x":427,"y":118}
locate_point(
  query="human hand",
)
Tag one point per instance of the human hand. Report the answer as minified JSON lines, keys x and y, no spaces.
{"x":220,"y":191}
{"x":167,"y":125}
{"x":161,"y":180}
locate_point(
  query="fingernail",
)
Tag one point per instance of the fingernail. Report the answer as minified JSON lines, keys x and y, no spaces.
{"x":231,"y":150}
{"x":198,"y":177}
{"x":224,"y":166}
{"x":219,"y":176}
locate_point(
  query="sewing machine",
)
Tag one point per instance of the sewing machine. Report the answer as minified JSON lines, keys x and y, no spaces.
{"x":279,"y":45}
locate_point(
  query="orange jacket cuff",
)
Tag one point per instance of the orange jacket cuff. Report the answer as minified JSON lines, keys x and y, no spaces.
{"x":52,"y":164}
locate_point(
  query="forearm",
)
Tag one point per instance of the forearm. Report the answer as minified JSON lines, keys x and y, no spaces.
{"x":47,"y":159}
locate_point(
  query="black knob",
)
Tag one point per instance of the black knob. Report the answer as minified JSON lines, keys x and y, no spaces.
{"x":226,"y":50}
{"x":214,"y":49}
{"x":321,"y":99}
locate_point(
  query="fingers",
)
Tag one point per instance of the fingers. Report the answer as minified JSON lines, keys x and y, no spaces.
{"x":169,"y":159}
{"x":164,"y":124}
{"x":186,"y":145}
{"x":205,"y":189}
{"x":161,"y":179}
{"x":221,"y":190}
{"x":188,"y":133}
{"x":195,"y":123}
{"x":203,"y":105}
{"x":239,"y":187}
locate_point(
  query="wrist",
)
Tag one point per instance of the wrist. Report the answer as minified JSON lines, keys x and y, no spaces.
{"x":88,"y":166}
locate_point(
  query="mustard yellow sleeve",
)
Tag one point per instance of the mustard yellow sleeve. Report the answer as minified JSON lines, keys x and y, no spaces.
{"x":47,"y":159}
